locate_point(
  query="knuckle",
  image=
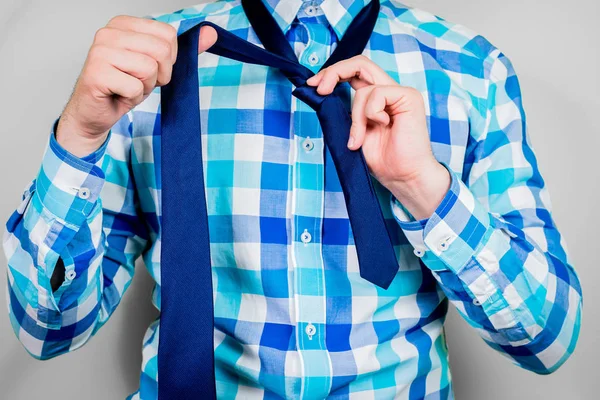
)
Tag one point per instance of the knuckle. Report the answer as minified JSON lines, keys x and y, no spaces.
{"x":412,"y":91}
{"x":118,"y":19}
{"x":152,"y":70}
{"x":152,"y":66}
{"x":172,"y":32}
{"x":137,"y":89}
{"x":370,"y":111}
{"x":329,"y":74}
{"x":96,"y":52}
{"x":164,"y":76}
{"x":377,"y":91}
{"x":148,"y":69}
{"x":102,"y":34}
{"x":415,"y":94}
{"x":163,"y":50}
{"x":324,"y":72}
{"x":355,"y":125}
{"x":361,"y":92}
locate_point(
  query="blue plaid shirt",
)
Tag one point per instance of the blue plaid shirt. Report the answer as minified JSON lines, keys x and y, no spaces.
{"x":293,"y":318}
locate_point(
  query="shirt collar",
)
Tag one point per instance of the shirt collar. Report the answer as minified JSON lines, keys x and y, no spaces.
{"x":339,"y":13}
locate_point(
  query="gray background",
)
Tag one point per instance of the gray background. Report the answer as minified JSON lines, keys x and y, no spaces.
{"x":553,"y":46}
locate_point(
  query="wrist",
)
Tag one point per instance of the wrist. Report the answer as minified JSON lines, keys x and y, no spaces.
{"x":76,"y":140}
{"x":423,"y":192}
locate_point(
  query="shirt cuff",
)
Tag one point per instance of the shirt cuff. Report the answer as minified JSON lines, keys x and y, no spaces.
{"x":453,"y":234}
{"x":68,"y":186}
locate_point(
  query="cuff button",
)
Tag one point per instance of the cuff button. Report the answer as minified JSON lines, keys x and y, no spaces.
{"x":444,"y":244}
{"x":419,"y":252}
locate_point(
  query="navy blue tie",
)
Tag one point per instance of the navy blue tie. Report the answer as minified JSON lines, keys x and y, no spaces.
{"x":185,"y":353}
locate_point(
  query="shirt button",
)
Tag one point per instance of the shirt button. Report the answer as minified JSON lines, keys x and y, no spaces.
{"x":84,"y":193}
{"x":308,"y":144}
{"x":313,"y":59}
{"x":419,"y":252}
{"x":70,"y":275}
{"x":305,"y":237}
{"x":310,"y":10}
{"x":310,"y":331}
{"x":476,"y":302}
{"x":444,"y":244}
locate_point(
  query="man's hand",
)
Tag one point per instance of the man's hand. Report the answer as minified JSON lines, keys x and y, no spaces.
{"x":129,"y":57}
{"x":389,"y":123}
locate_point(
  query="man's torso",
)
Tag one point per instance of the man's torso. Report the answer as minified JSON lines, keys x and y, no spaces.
{"x":293,"y":317}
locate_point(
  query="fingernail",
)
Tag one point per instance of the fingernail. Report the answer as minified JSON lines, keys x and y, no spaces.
{"x":351,"y":142}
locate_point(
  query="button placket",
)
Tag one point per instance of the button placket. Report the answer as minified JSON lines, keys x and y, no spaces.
{"x":306,"y":237}
{"x":308,"y":144}
{"x":309,"y":206}
{"x":310,"y":330}
{"x":310,"y":10}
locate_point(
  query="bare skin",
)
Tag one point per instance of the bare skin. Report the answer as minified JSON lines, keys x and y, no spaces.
{"x":128,"y":58}
{"x":131,"y":56}
{"x":389,"y":124}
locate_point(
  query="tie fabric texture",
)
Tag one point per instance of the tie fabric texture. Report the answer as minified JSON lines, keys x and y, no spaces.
{"x":186,"y":353}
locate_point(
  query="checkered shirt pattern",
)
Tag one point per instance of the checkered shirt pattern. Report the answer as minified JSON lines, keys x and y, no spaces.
{"x":293,"y":317}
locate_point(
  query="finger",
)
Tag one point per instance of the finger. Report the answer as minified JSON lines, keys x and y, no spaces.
{"x":355,"y":82}
{"x":208,"y":37}
{"x":385,"y":101}
{"x":358,"y":129}
{"x":138,"y":65}
{"x":356,"y":68}
{"x":358,"y":83}
{"x":315,"y":79}
{"x":376,"y":104}
{"x":152,"y":46}
{"x":353,"y":68}
{"x":147,"y":26}
{"x":129,"y":88}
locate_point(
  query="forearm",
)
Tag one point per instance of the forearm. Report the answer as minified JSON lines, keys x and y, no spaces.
{"x":50,"y":322}
{"x":423,"y":192}
{"x":523,"y":299}
{"x":62,"y":221}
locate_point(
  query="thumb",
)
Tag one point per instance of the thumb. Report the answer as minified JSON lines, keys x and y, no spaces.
{"x":208,"y":37}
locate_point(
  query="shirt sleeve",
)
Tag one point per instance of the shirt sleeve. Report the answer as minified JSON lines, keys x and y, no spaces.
{"x":83,"y":211}
{"x":492,"y":243}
